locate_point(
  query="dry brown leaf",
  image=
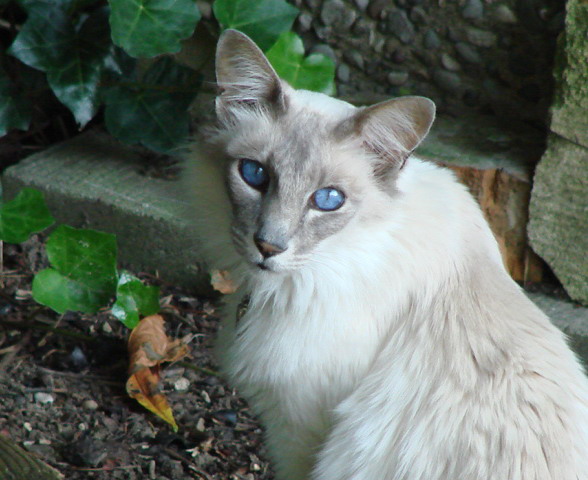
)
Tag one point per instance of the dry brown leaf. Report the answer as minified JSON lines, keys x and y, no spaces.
{"x":149,"y":346}
{"x":221,"y":281}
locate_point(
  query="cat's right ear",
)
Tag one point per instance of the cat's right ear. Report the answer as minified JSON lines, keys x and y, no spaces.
{"x":245,"y":77}
{"x":391,"y":130}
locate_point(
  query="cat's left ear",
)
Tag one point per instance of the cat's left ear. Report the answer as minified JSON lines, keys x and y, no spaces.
{"x":245,"y":77}
{"x":394,"y":128}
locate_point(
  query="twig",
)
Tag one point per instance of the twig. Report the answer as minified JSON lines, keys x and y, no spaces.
{"x":190,"y":465}
{"x":196,"y":368}
{"x":12,"y":353}
{"x":81,"y":376}
{"x":54,"y":328}
{"x":46,"y":328}
{"x":106,"y":469}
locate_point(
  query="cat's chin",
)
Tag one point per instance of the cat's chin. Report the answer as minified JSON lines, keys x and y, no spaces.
{"x":265,"y":267}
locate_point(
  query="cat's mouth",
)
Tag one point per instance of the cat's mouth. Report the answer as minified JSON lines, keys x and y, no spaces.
{"x":262,"y":266}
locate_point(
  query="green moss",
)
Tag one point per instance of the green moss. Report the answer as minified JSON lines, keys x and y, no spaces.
{"x":569,"y":117}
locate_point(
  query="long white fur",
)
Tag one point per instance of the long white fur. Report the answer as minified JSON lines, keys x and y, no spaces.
{"x":402,"y":350}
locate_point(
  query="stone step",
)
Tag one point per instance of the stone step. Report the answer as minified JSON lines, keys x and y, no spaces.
{"x":93,"y":181}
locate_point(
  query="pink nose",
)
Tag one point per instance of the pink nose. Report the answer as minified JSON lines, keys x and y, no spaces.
{"x":268,"y":249}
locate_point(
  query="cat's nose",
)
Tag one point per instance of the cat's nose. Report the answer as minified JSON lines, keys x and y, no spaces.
{"x":266,"y":248}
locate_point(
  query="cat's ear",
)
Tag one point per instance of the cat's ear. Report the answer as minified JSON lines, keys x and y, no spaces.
{"x":244,"y":76}
{"x":393,"y":129}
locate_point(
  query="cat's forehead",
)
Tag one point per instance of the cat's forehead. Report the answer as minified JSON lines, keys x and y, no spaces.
{"x":300,"y":136}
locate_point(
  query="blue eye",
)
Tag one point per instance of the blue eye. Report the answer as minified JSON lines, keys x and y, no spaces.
{"x":328,"y":199}
{"x":254,"y":174}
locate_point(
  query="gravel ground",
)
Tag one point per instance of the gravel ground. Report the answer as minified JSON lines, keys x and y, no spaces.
{"x":62,"y":391}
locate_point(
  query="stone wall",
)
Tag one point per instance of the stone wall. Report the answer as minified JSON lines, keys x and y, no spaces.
{"x":490,"y":56}
{"x":558,"y":227}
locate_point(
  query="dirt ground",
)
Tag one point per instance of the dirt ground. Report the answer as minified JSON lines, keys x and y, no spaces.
{"x":62,"y":391}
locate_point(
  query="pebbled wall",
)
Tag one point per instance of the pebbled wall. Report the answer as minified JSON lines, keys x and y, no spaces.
{"x":487,"y":56}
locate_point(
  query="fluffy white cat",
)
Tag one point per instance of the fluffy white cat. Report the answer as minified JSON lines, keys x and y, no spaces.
{"x":375,"y":332}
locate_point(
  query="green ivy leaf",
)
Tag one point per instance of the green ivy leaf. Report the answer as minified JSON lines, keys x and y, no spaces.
{"x":134,"y":300}
{"x":83,"y":275}
{"x":15,"y":109}
{"x":262,"y":20}
{"x":315,"y":72}
{"x":75,"y":81}
{"x":146,"y":28}
{"x":43,"y":38}
{"x":72,"y":55}
{"x":154,"y":111}
{"x":25,"y":214}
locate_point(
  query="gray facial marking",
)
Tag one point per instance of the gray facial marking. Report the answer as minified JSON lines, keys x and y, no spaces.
{"x":297,"y":149}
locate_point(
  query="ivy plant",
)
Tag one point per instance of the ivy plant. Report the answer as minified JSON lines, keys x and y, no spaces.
{"x":116,"y":60}
{"x":25,"y":214}
{"x":83,"y":274}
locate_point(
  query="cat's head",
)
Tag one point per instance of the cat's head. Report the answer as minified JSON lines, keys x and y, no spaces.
{"x":302,"y":166}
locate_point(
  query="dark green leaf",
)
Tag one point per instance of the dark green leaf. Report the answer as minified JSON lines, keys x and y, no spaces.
{"x":262,"y":20}
{"x":153,"y":112}
{"x":145,"y":28}
{"x":44,"y":38}
{"x":75,"y":80}
{"x":38,"y":7}
{"x":83,"y":277}
{"x":15,"y":109}
{"x":27,"y":213}
{"x":120,"y":64}
{"x":73,"y":56}
{"x":315,"y":72}
{"x":134,"y":300}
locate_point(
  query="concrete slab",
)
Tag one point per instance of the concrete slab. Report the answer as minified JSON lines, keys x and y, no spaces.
{"x":558,"y":214}
{"x":93,"y":181}
{"x":568,"y":316}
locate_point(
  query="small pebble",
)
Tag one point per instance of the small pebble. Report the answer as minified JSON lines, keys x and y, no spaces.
{"x":21,"y":294}
{"x":228,"y":416}
{"x":397,"y":78}
{"x":473,"y":9}
{"x":362,"y":4}
{"x":481,"y":38}
{"x":343,"y":73}
{"x":78,"y":358}
{"x":504,"y":14}
{"x":205,"y":396}
{"x":200,"y":425}
{"x":44,"y":398}
{"x":44,"y":441}
{"x":90,"y":404}
{"x":182,"y":384}
{"x":28,"y":427}
{"x":449,"y":63}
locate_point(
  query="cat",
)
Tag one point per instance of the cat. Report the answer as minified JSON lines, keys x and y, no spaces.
{"x":375,"y":331}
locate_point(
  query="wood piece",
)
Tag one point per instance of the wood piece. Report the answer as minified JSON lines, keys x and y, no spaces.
{"x":504,"y":200}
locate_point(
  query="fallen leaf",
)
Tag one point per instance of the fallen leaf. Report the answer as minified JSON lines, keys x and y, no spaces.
{"x":221,"y":281}
{"x":148,"y":347}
